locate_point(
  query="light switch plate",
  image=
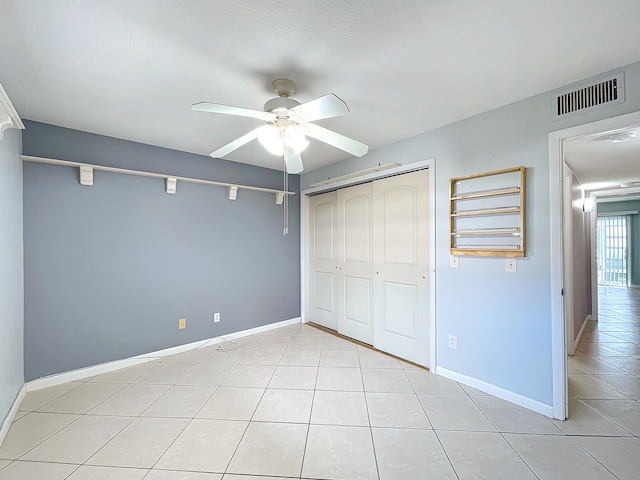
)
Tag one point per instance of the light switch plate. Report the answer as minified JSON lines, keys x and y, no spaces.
{"x":511,"y":265}
{"x":454,"y":261}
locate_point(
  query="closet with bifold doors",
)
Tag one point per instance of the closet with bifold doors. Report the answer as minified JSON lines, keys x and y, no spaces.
{"x":369,"y":263}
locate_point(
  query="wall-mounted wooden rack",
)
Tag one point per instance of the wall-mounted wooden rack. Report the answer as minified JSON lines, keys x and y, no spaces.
{"x":487,"y":214}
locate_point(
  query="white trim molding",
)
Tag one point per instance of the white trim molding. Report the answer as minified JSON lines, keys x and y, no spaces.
{"x":344,"y":179}
{"x":9,"y":118}
{"x":6,"y":424}
{"x":367,"y":175}
{"x":507,"y":395}
{"x":576,"y":342}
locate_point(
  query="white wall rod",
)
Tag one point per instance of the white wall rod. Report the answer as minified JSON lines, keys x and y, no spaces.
{"x":65,"y":163}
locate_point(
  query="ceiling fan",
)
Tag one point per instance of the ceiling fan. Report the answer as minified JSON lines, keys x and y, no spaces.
{"x":288,"y":125}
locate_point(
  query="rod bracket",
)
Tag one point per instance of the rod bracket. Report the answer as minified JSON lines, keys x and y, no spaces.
{"x":86,"y":175}
{"x":170,"y":185}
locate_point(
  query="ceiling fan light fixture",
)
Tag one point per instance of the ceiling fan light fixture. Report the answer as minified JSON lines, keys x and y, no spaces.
{"x":273,"y":140}
{"x":294,"y":137}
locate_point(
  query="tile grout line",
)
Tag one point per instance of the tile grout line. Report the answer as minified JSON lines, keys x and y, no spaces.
{"x":502,"y":436}
{"x":366,"y":406}
{"x":190,"y":420}
{"x":597,"y":379}
{"x":313,"y":399}
{"x":189,"y":423}
{"x":80,"y":415}
{"x":235,"y":450}
{"x":600,"y":379}
{"x":589,"y":453}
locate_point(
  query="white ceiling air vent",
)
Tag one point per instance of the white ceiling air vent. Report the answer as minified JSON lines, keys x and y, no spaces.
{"x":603,"y":92}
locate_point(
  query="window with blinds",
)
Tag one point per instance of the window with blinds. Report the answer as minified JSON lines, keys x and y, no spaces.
{"x":612,"y":251}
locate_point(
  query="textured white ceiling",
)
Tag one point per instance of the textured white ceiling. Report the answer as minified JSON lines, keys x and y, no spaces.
{"x":132,"y":68}
{"x":598,"y":161}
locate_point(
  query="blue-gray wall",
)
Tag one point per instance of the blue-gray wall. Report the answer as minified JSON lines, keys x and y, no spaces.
{"x":628,"y":206}
{"x":502,"y":321}
{"x":11,"y":271}
{"x":110,"y":268}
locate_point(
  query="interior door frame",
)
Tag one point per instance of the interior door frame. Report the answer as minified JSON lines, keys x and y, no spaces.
{"x":567,"y":238}
{"x":304,"y":238}
{"x":557,"y":254}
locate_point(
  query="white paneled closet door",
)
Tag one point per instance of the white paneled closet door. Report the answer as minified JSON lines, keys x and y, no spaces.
{"x":401,"y":265}
{"x":322,"y":257}
{"x":355,"y":262}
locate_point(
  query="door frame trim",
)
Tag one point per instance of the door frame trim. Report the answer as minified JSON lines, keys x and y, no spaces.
{"x":558,"y":329}
{"x":429,"y":164}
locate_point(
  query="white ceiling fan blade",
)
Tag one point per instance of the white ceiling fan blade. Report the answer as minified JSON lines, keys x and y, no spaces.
{"x":229,"y":110}
{"x":292,"y":160}
{"x":324,"y":107}
{"x":239,"y":142}
{"x":335,"y":139}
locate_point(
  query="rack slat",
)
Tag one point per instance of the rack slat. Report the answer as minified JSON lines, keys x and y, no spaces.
{"x":487,"y":193}
{"x":489,"y":211}
{"x":495,"y":232}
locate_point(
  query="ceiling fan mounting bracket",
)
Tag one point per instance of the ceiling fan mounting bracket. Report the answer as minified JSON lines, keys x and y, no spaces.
{"x":283,"y":87}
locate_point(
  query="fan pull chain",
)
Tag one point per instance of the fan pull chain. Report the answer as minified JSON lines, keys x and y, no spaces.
{"x":285,"y":202}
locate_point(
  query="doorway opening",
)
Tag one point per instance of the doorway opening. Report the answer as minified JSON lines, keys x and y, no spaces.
{"x":615,"y":173}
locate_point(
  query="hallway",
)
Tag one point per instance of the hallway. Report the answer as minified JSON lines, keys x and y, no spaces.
{"x":604,"y":374}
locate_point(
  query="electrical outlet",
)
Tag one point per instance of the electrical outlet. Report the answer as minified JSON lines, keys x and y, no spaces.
{"x":182,"y":323}
{"x":454,"y":261}
{"x":453,"y":342}
{"x":511,"y":265}
{"x":216,"y":317}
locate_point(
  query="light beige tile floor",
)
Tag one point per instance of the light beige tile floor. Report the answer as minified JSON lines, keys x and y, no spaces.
{"x":298,"y":402}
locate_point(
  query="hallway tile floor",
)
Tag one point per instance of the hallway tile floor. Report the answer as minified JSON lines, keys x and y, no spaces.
{"x":298,"y":402}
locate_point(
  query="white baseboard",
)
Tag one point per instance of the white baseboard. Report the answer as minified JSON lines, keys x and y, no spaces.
{"x":256,"y":330}
{"x":507,"y":395}
{"x":576,"y":342}
{"x":81,"y":373}
{"x":167,"y":352}
{"x":4,"y":429}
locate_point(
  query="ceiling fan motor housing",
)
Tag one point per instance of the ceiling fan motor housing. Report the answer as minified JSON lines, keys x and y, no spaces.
{"x":280,"y":102}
